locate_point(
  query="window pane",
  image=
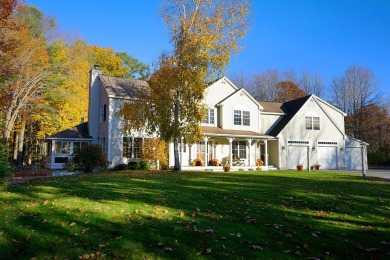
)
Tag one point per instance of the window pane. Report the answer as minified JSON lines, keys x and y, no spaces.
{"x":62,"y":147}
{"x":242,"y":151}
{"x":206,"y":119}
{"x":316,"y":123}
{"x":76,"y":147}
{"x":237,"y":117}
{"x":235,"y":149}
{"x":127,"y":143}
{"x":246,"y":118}
{"x":211,"y":116}
{"x":138,"y":147}
{"x":308,"y":123}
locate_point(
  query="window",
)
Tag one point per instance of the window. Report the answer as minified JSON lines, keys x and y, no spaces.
{"x":241,"y":118}
{"x":210,"y":119}
{"x":132,"y":147}
{"x":62,"y":147}
{"x":103,"y":143}
{"x":103,"y":113}
{"x":239,"y":149}
{"x":246,"y":119}
{"x":137,"y":152}
{"x":77,"y":146}
{"x":312,"y":123}
{"x":316,"y":123}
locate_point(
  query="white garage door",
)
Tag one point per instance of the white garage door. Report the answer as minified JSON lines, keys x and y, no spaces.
{"x":327,"y":157}
{"x":353,"y":158}
{"x":296,"y":155}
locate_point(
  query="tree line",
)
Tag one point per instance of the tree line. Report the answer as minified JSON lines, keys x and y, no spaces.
{"x":356,"y":92}
{"x":44,"y":79}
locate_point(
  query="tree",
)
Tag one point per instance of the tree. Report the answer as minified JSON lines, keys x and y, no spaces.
{"x":154,"y":150}
{"x":6,"y":8}
{"x":356,"y":89}
{"x":204,"y":34}
{"x":136,"y":69}
{"x":287,"y":91}
{"x":264,"y":85}
{"x":111,"y":64}
{"x":312,"y":84}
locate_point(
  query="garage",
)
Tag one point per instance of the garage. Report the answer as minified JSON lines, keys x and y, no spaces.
{"x":353,"y":158}
{"x":327,"y":155}
{"x":297,"y":154}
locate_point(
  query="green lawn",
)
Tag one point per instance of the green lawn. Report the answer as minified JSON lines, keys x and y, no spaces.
{"x":152,"y":215}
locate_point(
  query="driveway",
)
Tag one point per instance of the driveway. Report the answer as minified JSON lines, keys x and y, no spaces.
{"x":384,"y":174}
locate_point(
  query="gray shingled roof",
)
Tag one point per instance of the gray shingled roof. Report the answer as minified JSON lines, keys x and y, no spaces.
{"x":211,"y":130}
{"x":290,"y":108}
{"x":272,"y":107}
{"x":123,"y":87}
{"x":77,"y":132}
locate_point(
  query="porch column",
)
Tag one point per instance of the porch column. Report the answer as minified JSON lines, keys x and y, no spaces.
{"x":181,"y":151}
{"x":256,"y":142}
{"x":266,"y":152}
{"x":231,"y":151}
{"x":206,"y":148}
{"x":249,"y":142}
{"x":189,"y":153}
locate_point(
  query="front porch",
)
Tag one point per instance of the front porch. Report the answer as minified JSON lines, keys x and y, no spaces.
{"x":221,"y":168}
{"x":242,"y":150}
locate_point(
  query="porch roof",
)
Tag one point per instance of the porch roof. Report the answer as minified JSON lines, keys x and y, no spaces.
{"x":74,"y":133}
{"x":217,"y":131}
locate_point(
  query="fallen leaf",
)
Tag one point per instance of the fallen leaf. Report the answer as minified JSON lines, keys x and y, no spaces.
{"x":72,"y":224}
{"x":255,"y":247}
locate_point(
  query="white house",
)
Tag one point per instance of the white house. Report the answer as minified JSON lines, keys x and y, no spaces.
{"x":237,"y":129}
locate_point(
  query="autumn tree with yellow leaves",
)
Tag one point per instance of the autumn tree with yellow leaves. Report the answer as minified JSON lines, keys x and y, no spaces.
{"x":204,"y":34}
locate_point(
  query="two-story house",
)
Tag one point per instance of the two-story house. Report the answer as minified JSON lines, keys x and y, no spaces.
{"x":237,"y":129}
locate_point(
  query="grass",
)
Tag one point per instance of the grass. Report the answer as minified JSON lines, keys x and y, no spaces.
{"x":159,"y":215}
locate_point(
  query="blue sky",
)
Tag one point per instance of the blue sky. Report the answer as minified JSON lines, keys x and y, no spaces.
{"x":320,"y":36}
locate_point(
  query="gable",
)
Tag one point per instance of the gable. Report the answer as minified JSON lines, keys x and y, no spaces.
{"x":290,"y":109}
{"x":311,"y":104}
{"x":219,"y":90}
{"x":242,"y":96}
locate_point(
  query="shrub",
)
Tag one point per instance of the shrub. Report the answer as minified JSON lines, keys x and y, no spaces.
{"x":5,"y":169}
{"x":134,"y":165}
{"x":71,"y":166}
{"x":90,"y":156}
{"x":121,"y":167}
{"x":144,"y":165}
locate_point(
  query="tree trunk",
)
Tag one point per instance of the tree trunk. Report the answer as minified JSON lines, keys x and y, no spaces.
{"x":177,"y":166}
{"x":21,"y":142}
{"x":16,"y":142}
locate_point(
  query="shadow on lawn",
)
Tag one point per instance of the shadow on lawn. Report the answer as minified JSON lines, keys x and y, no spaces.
{"x":169,"y":215}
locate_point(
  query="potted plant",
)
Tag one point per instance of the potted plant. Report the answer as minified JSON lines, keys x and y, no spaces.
{"x":299,"y":167}
{"x":214,"y":162}
{"x":317,"y":167}
{"x":193,"y":163}
{"x":198,"y":162}
{"x":259,"y":162}
{"x":226,"y":167}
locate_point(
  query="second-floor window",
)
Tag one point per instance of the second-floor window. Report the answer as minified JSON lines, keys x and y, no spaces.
{"x":312,"y":123}
{"x":241,"y":118}
{"x":103,"y":113}
{"x":210,"y":118}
